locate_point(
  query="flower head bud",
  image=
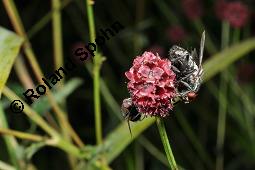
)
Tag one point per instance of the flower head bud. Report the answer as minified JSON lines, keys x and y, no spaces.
{"x":151,"y":84}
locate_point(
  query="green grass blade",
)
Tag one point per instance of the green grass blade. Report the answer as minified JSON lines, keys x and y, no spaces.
{"x":10,"y":141}
{"x":220,"y":61}
{"x":10,"y":44}
{"x":5,"y":166}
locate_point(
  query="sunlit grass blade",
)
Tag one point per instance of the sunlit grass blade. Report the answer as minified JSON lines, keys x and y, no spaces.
{"x":10,"y":44}
{"x":10,"y":141}
{"x":6,"y":166}
{"x":220,"y":61}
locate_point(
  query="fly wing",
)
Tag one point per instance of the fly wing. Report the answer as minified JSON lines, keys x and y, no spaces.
{"x":202,"y":44}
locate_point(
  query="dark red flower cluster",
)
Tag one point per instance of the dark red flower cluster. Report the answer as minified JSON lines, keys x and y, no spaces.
{"x":192,"y":8}
{"x":176,"y":34}
{"x":246,"y":73}
{"x":151,"y":84}
{"x":220,"y":7}
{"x":236,"y":13}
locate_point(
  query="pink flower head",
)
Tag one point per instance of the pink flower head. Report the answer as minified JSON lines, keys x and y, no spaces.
{"x":192,"y":8}
{"x":237,"y":14}
{"x":176,"y":34}
{"x":220,"y":8}
{"x":151,"y":84}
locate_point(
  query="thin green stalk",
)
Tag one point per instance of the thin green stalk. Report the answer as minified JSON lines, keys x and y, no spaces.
{"x":221,"y":122}
{"x":166,"y":144}
{"x":19,"y":28}
{"x":56,"y":140}
{"x":22,"y":73}
{"x":31,"y":113}
{"x":236,"y":35}
{"x":22,"y":135}
{"x":68,"y":147}
{"x":44,"y":20}
{"x":225,"y":34}
{"x":27,"y":82}
{"x":57,"y":35}
{"x":58,"y":54}
{"x":96,"y":74}
{"x":10,"y":141}
{"x":223,"y":102}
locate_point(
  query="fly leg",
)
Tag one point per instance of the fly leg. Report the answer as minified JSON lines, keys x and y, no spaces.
{"x":184,"y":94}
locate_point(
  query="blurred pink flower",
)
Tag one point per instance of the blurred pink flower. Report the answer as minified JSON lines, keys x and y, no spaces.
{"x":237,"y":14}
{"x":156,"y":49}
{"x":176,"y":34}
{"x":220,"y":8}
{"x":192,"y":8}
{"x":246,"y":72}
{"x":151,"y":84}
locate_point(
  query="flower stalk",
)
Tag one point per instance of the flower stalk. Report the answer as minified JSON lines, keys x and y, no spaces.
{"x":22,"y":135}
{"x":166,"y":144}
{"x":57,"y":35}
{"x":96,"y":74}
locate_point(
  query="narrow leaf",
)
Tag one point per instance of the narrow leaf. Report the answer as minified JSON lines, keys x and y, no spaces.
{"x":225,"y":58}
{"x":10,"y":142}
{"x":10,"y":44}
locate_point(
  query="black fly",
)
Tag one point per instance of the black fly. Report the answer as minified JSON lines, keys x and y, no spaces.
{"x":188,"y":70}
{"x":130,"y":112}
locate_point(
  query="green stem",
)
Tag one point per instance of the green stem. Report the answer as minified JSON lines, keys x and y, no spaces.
{"x":221,"y":121}
{"x":22,"y":135}
{"x":223,"y":102}
{"x":57,"y":35}
{"x":31,"y":113}
{"x":91,"y":21}
{"x":44,"y":20}
{"x":96,"y":75}
{"x":236,"y":35}
{"x":166,"y":144}
{"x":23,"y":73}
{"x":225,"y":34}
{"x":69,"y":148}
{"x":10,"y":141}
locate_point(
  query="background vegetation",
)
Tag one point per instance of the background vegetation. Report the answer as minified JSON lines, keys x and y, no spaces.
{"x":79,"y":125}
